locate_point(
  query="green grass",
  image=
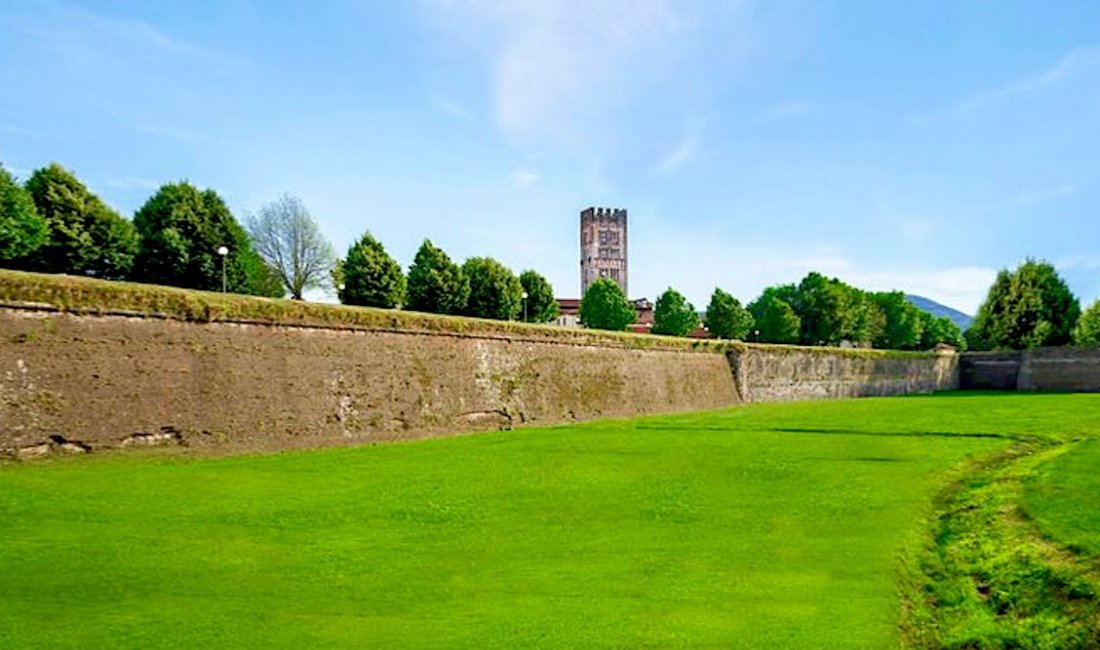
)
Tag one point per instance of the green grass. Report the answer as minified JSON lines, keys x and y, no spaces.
{"x":1064,"y":498}
{"x":767,"y":526}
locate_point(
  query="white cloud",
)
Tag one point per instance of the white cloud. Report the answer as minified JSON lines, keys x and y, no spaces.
{"x":131,"y":183}
{"x":916,"y":230}
{"x":1076,"y":63}
{"x":1084,"y":262}
{"x":137,"y":34}
{"x":1047,"y":194}
{"x":523,"y":178}
{"x":679,"y":155}
{"x":450,"y":107}
{"x":172,"y":132}
{"x":787,"y":110}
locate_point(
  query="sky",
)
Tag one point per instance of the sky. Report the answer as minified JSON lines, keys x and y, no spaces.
{"x":918,"y":146}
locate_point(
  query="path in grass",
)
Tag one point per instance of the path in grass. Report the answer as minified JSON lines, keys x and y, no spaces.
{"x":765,"y":526}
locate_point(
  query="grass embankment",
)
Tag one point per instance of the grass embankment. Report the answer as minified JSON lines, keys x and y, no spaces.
{"x":768,"y":526}
{"x":92,"y":296}
{"x":1011,"y":558}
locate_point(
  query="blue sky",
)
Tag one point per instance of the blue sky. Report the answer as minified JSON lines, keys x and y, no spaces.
{"x":911,"y":145}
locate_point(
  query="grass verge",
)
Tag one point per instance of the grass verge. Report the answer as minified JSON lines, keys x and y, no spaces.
{"x":987,"y":578}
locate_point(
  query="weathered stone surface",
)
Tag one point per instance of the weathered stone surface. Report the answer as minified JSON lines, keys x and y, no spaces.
{"x":271,"y":387}
{"x":1064,"y":369}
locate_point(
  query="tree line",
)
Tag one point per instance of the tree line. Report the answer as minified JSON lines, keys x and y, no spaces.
{"x":816,"y":311}
{"x":1029,"y":307}
{"x":186,"y":237}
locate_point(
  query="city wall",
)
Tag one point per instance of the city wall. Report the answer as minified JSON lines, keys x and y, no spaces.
{"x":1054,"y":369}
{"x":98,"y":365}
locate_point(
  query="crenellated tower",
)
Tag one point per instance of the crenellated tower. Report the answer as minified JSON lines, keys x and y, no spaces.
{"x":603,"y":246}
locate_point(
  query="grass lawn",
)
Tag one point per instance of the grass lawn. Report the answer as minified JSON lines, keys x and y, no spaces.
{"x":765,"y":526}
{"x":1064,"y":498}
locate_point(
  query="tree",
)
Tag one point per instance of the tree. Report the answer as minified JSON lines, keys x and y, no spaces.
{"x":182,"y":230}
{"x":22,"y":230}
{"x":777,"y":322}
{"x":541,"y":305}
{"x":495,"y":292}
{"x":726,"y":318}
{"x":1028,"y":308}
{"x":1087,"y":330}
{"x":937,"y":330}
{"x":436,"y":284}
{"x":605,"y":307}
{"x":674,"y":315}
{"x":289,"y":240}
{"x":903,"y":322}
{"x":370,"y":277}
{"x":85,"y":236}
{"x":825,"y":307}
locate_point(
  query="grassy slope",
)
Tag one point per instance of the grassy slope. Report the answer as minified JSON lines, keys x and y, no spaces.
{"x":1064,"y":498}
{"x":765,"y":526}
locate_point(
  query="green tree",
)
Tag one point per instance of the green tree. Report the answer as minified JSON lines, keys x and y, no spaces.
{"x":903,"y":322}
{"x":85,"y":236}
{"x":605,"y":307}
{"x":436,"y":284}
{"x":1087,"y":331}
{"x":726,"y":318}
{"x":674,"y":315}
{"x":22,"y":230}
{"x":778,"y":322}
{"x":1028,"y":308}
{"x":541,"y":305}
{"x":290,"y":242}
{"x":826,"y":307}
{"x":495,"y":292}
{"x":937,"y":330}
{"x":368,"y":276}
{"x":182,"y":230}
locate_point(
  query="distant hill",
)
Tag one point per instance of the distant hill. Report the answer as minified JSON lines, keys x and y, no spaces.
{"x":936,"y":309}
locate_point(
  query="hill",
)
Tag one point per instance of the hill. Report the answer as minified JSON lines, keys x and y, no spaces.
{"x":937,"y":310}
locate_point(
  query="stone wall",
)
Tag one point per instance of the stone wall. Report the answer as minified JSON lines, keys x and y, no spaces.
{"x":1061,"y":369}
{"x":775,"y":373}
{"x":110,"y":364}
{"x":105,"y":380}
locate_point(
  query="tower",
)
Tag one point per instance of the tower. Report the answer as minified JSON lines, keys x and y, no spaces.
{"x":603,"y":246}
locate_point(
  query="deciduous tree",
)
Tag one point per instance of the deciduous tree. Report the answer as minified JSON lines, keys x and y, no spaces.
{"x":288,"y":239}
{"x":1087,"y":331}
{"x":777,"y":321}
{"x":495,"y":292}
{"x":726,"y":318}
{"x":903,"y":322}
{"x":181,"y":231}
{"x":541,"y":306}
{"x":85,"y":236}
{"x":605,"y":306}
{"x":22,"y":229}
{"x":436,"y":284}
{"x":674,"y":315}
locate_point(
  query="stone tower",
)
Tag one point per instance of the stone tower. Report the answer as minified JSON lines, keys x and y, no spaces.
{"x":603,"y":246}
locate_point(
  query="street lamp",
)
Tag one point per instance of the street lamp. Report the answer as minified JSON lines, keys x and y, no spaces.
{"x":340,"y":292}
{"x":223,"y":251}
{"x":524,"y":306}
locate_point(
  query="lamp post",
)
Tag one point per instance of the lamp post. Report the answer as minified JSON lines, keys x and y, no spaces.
{"x":223,"y":251}
{"x":524,"y":306}
{"x":340,"y":292}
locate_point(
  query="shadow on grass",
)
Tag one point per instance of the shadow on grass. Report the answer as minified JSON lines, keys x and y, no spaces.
{"x":841,"y":432}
